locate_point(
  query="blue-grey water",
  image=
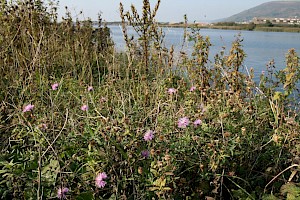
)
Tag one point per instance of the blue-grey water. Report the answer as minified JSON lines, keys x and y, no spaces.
{"x":260,"y":47}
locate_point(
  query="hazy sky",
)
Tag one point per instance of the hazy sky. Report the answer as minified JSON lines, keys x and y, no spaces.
{"x":170,"y":10}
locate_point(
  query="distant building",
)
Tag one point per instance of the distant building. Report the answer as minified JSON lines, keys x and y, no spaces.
{"x":261,"y":20}
{"x":201,"y":23}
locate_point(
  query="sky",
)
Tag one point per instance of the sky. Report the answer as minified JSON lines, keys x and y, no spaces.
{"x":169,"y":11}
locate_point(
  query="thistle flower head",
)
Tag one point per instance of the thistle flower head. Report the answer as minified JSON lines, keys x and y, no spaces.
{"x":44,"y":127}
{"x":103,"y":99}
{"x":90,"y":88}
{"x":84,"y":108}
{"x":193,"y":88}
{"x":99,"y":180}
{"x":102,"y":175}
{"x":197,"y":122}
{"x":202,"y":108}
{"x":183,"y":122}
{"x":149,"y":135}
{"x":172,"y":90}
{"x":54,"y":86}
{"x":100,"y":183}
{"x":61,"y":192}
{"x":28,"y":108}
{"x":145,"y":153}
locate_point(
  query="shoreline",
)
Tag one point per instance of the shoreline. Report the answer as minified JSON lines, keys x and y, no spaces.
{"x":259,"y":28}
{"x":245,"y":27}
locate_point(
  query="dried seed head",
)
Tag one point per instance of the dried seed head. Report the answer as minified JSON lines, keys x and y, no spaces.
{"x":140,"y":170}
{"x":243,"y":129}
{"x":227,"y":134}
{"x":152,"y":152}
{"x":201,"y":167}
{"x":275,"y":138}
{"x":167,"y":157}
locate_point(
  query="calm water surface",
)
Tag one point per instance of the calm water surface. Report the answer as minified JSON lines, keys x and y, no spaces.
{"x":260,"y":47}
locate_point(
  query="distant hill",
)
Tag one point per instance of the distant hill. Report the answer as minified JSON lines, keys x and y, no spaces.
{"x":271,"y":9}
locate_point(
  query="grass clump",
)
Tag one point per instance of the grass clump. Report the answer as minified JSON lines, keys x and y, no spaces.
{"x":80,"y":121}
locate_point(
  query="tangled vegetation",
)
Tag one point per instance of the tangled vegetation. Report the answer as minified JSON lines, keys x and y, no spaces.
{"x":80,"y":121}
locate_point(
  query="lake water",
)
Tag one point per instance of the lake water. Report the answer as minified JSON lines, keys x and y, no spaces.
{"x":260,"y":47}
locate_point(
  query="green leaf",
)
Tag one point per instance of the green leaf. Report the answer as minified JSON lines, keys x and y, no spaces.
{"x":161,"y":182}
{"x":291,"y":190}
{"x":154,"y":172}
{"x":112,"y":197}
{"x":269,"y":197}
{"x":277,"y":95}
{"x":288,"y":79}
{"x":85,"y":196}
{"x":50,"y":172}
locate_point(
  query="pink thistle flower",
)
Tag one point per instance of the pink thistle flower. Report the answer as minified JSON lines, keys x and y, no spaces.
{"x":90,"y":88}
{"x":28,"y":108}
{"x":183,"y":122}
{"x":44,"y":127}
{"x":172,"y":90}
{"x":202,"y":108}
{"x":149,"y":135}
{"x":102,"y":176}
{"x":99,"y":181}
{"x":145,"y":153}
{"x":61,"y":193}
{"x":197,"y":122}
{"x":103,"y":99}
{"x":84,"y":108}
{"x":54,"y":86}
{"x":193,"y":88}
